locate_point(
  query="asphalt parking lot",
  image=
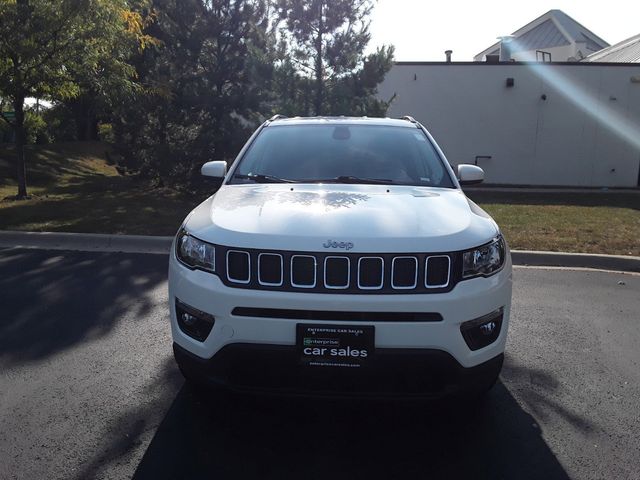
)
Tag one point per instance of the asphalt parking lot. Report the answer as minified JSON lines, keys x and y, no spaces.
{"x":88,"y":389}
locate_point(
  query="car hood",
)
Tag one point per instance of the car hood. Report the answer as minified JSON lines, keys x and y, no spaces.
{"x":358,"y":218}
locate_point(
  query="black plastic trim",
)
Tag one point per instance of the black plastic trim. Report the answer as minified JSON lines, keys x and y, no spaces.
{"x":339,"y":316}
{"x":201,"y":330}
{"x":468,"y":329}
{"x":393,"y":373}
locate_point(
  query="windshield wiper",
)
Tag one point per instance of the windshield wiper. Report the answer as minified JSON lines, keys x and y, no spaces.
{"x":260,"y":178}
{"x":351,"y":179}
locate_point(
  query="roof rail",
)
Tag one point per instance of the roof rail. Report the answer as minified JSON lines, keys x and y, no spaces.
{"x":277,"y":116}
{"x":409,"y":119}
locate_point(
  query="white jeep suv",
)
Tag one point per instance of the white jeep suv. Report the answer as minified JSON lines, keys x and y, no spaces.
{"x":340,"y":256}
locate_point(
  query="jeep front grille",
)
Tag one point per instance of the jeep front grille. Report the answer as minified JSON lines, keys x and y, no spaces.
{"x":338,"y":273}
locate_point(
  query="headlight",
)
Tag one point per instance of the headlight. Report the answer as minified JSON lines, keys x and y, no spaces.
{"x":484,"y":260}
{"x":195,"y":253}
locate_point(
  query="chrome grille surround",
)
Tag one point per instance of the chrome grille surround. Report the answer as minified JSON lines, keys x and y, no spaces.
{"x":270,"y":284}
{"x":376,"y":287}
{"x":239,"y":280}
{"x":307,"y":271}
{"x":315,"y":272}
{"x":393,"y":267}
{"x":325,"y":269}
{"x":426,"y":271}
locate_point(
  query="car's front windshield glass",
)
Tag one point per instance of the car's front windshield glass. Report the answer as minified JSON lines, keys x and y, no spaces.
{"x":343,"y":153}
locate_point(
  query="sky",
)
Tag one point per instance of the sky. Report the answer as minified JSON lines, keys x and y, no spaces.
{"x":421,"y":30}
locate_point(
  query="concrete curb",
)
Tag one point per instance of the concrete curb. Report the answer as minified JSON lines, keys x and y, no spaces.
{"x":93,"y":242}
{"x":87,"y":242}
{"x":621,"y":263}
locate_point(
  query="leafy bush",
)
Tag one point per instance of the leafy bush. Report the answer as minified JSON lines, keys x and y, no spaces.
{"x":106,"y":133}
{"x":36,"y":128}
{"x":61,"y":125}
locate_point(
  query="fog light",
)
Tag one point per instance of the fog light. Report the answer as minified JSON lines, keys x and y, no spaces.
{"x":488,"y":328}
{"x":193,"y":322}
{"x":483,"y":331}
{"x":188,"y":319}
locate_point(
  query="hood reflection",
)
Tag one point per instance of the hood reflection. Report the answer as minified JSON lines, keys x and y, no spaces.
{"x":233,"y":198}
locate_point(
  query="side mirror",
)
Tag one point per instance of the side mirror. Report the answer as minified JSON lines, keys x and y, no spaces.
{"x":470,"y":174}
{"x":217,"y":169}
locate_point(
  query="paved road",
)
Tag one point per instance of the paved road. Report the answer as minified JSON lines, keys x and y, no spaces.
{"x":88,"y":390}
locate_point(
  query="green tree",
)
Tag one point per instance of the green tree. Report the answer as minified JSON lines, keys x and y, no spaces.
{"x":47,"y":46}
{"x":204,"y":88}
{"x":356,"y":92}
{"x":325,"y":40}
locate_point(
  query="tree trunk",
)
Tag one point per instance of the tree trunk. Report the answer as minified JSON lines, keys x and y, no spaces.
{"x":319,"y":64}
{"x":18,"y":106}
{"x":85,"y":117}
{"x":91,"y":129}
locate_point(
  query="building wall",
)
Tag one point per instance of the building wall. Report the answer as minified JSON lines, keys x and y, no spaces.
{"x":560,"y":124}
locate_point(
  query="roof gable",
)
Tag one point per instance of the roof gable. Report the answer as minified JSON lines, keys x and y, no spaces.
{"x":575,"y":30}
{"x":545,"y":35}
{"x":554,"y":28}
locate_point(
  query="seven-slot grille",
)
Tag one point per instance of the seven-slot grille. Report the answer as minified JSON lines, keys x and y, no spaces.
{"x":338,"y":273}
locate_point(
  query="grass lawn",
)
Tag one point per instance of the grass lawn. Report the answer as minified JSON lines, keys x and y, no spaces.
{"x":590,"y":222}
{"x":74,"y":189}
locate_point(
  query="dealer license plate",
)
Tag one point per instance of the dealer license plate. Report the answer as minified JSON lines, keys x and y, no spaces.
{"x":335,"y":345}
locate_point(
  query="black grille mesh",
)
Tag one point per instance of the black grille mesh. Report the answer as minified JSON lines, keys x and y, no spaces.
{"x":437,"y":271}
{"x":371,"y":272}
{"x":405,"y":272}
{"x":336,"y":272}
{"x":238,"y":266}
{"x":270,"y":268}
{"x":303,"y":271}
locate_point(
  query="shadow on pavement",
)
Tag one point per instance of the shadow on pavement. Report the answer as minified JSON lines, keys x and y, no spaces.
{"x":126,"y":432}
{"x":51,"y":300}
{"x":540,"y":398}
{"x":220,"y":436}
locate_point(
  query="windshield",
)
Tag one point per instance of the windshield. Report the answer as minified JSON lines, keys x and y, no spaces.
{"x":315,"y":153}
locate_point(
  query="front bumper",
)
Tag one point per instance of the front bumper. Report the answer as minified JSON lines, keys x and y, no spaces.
{"x":469,"y":300}
{"x":418,"y":373}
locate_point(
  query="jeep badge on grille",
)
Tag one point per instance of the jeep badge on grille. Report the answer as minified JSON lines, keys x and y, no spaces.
{"x":333,"y":244}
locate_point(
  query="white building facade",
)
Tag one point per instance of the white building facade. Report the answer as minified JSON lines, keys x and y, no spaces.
{"x":553,"y":124}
